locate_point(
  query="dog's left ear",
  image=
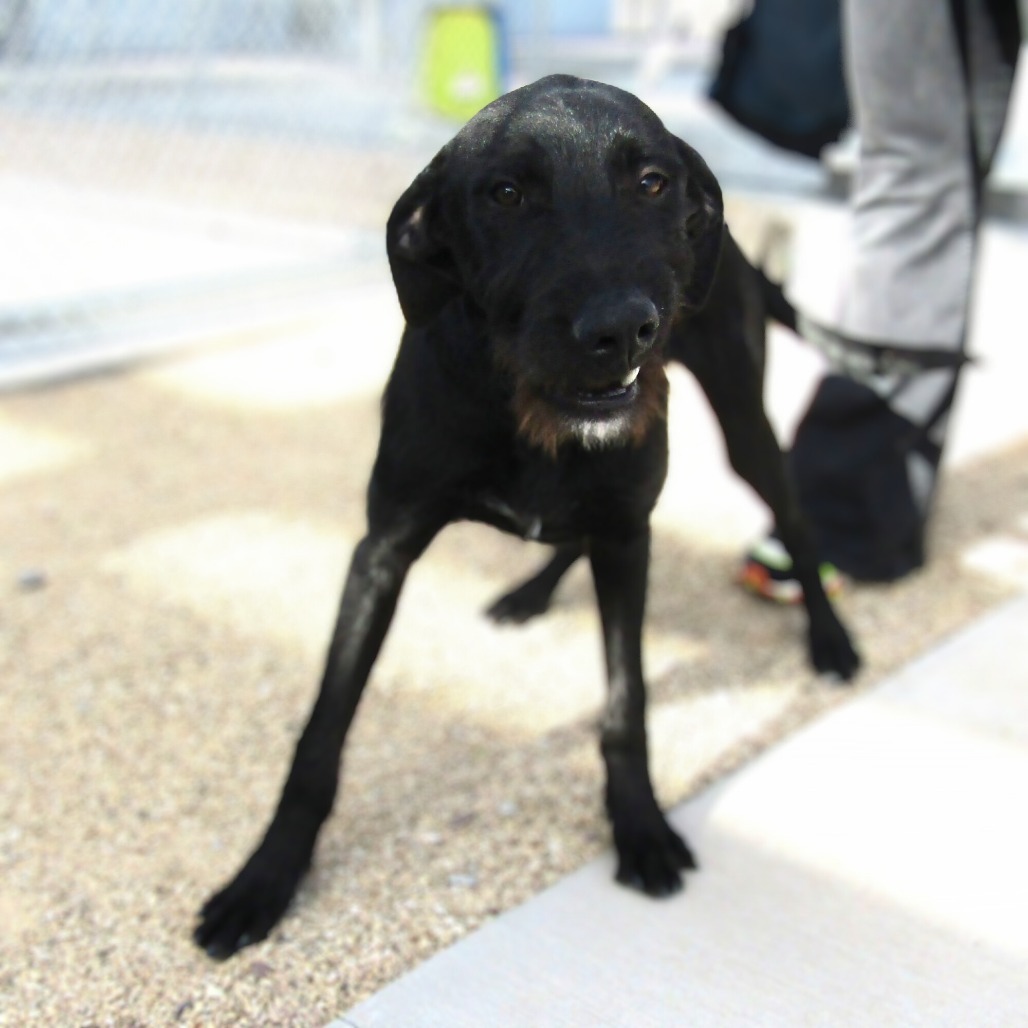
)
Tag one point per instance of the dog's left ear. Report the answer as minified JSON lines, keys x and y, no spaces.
{"x":704,"y":225}
{"x":423,"y":270}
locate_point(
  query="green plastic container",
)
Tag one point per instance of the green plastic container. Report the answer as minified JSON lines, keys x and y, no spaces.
{"x":462,"y":65}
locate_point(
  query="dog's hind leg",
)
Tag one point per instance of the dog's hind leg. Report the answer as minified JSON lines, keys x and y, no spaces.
{"x":651,"y":855}
{"x":733,"y":388}
{"x":532,"y":597}
{"x":252,"y":903}
{"x":762,"y":464}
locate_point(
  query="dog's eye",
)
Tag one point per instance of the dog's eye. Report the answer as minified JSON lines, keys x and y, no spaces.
{"x":506,"y":194}
{"x":653,"y":183}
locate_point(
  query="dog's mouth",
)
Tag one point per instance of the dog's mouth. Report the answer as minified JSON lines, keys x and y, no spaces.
{"x":606,"y":397}
{"x":600,"y":412}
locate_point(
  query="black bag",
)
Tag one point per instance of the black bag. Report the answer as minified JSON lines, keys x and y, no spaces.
{"x":850,"y":464}
{"x":781,"y":74}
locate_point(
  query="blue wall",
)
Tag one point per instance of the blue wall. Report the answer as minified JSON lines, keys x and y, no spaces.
{"x":82,"y":28}
{"x":565,"y":17}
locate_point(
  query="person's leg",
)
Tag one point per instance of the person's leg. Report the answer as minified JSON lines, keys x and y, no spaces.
{"x":929,"y":82}
{"x":913,"y":195}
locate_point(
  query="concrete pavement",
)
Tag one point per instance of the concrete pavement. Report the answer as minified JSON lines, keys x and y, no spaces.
{"x":867,"y":871}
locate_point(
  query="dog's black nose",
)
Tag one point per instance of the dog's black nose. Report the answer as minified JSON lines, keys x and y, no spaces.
{"x":618,"y":325}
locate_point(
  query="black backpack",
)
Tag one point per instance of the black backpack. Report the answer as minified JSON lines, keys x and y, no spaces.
{"x":850,"y":462}
{"x":781,"y":74}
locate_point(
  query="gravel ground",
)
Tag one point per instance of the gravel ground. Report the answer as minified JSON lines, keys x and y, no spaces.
{"x":173,"y":546}
{"x":169,"y":573}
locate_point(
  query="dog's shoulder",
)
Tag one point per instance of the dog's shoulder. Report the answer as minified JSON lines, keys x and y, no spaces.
{"x":443,"y":385}
{"x":444,"y":412}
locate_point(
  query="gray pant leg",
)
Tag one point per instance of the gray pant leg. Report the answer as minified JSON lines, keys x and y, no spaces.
{"x":925,"y":134}
{"x":913,"y":192}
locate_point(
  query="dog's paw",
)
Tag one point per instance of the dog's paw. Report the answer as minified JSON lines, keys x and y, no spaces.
{"x":246,"y":910}
{"x":520,"y":605}
{"x":652,"y":857}
{"x":832,"y":653}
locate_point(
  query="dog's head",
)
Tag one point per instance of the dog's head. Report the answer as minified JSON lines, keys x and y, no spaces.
{"x":579,"y":229}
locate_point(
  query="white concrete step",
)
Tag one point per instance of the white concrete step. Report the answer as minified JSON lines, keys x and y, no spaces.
{"x":868,"y":871}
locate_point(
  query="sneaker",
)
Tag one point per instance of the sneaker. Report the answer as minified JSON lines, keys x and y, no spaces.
{"x":767,"y":572}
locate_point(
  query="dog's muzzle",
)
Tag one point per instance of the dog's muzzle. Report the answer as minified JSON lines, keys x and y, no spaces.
{"x":614,"y":332}
{"x":606,"y":383}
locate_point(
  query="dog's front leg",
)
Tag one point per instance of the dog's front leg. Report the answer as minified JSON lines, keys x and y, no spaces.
{"x":651,"y":856}
{"x":251,"y":904}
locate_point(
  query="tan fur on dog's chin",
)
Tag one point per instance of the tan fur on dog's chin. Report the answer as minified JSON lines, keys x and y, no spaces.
{"x":547,"y":428}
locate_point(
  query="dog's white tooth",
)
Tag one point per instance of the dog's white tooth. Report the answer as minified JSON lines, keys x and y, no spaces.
{"x":630,"y":377}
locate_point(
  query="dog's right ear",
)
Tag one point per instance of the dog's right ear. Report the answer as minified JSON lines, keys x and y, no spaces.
{"x":424,"y":274}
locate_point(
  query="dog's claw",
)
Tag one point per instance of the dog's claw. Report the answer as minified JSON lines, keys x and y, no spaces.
{"x":834,"y":655}
{"x":245,"y":911}
{"x":652,"y":860}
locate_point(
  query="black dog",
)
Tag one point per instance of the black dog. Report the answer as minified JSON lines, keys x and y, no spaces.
{"x":547,"y":261}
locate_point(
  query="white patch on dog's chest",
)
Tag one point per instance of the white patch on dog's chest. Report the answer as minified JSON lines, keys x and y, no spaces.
{"x":595,"y":434}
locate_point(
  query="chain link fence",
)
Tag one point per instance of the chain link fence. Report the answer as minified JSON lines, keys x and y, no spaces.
{"x":151,"y":149}
{"x":261,"y":105}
